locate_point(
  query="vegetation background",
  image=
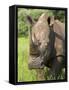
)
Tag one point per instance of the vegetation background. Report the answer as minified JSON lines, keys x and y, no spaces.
{"x":24,"y":74}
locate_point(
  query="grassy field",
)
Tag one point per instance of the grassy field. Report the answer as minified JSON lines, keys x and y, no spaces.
{"x":24,"y":74}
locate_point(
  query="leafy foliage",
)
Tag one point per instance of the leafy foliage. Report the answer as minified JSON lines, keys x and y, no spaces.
{"x":59,"y":15}
{"x":35,"y":14}
{"x":22,"y":18}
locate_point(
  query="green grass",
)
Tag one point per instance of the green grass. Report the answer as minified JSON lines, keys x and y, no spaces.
{"x":24,"y":74}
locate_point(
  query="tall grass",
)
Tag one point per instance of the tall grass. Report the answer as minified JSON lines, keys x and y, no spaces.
{"x":24,"y":74}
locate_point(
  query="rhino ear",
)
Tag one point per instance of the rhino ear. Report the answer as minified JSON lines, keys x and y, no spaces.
{"x":51,"y":20}
{"x":30,"y":20}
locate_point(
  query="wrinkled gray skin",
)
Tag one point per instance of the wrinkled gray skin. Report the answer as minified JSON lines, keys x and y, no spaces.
{"x":47,"y":42}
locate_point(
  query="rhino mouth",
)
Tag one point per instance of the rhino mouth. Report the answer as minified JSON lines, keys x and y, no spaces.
{"x":37,"y":63}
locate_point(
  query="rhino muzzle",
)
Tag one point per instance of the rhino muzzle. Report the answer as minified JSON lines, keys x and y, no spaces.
{"x":36,"y":63}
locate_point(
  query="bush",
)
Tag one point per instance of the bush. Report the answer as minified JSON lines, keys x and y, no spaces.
{"x":35,"y":14}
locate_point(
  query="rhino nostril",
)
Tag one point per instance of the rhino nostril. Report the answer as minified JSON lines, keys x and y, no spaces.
{"x":42,"y":63}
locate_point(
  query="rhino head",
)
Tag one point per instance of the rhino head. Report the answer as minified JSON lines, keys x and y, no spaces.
{"x":39,"y":34}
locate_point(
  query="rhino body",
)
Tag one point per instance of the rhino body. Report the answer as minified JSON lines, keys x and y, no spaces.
{"x":47,"y":44}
